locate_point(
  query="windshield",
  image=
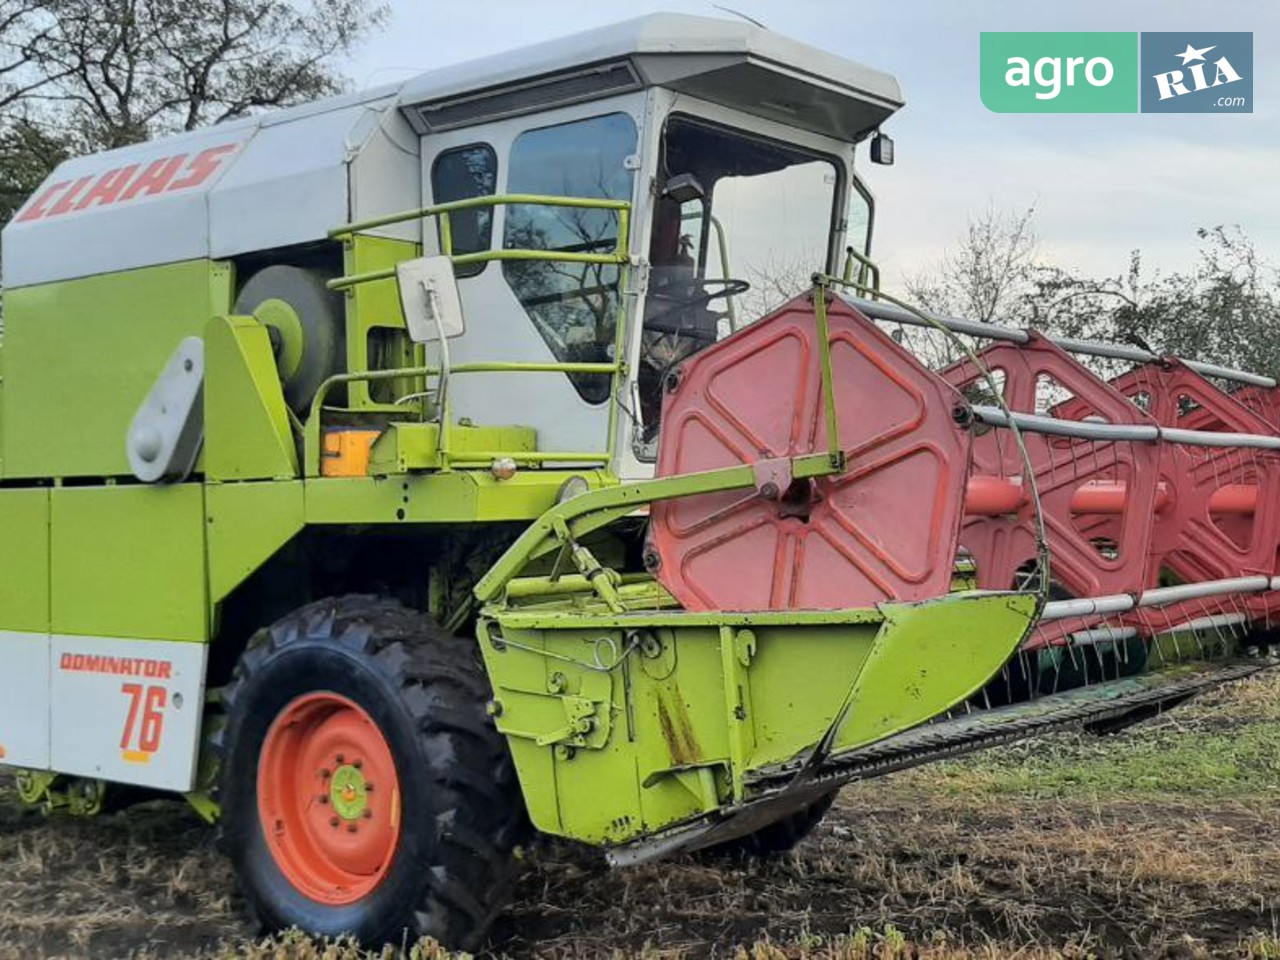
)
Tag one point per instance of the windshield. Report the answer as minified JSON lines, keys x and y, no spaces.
{"x":740,"y":225}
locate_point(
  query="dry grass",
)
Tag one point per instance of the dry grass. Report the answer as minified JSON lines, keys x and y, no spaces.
{"x":997,"y":857}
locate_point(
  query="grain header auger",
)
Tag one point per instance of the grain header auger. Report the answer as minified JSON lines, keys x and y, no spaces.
{"x":393,"y":473}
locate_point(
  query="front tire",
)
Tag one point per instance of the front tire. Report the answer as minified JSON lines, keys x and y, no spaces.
{"x":364,"y":789}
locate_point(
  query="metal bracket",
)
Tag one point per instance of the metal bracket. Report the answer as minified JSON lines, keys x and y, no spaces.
{"x":583,"y":720}
{"x":737,"y":647}
{"x":79,"y":796}
{"x":166,"y":433}
{"x":773,"y":477}
{"x":638,"y":278}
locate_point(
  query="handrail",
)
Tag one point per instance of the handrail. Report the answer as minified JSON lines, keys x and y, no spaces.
{"x":619,"y":256}
{"x":312,"y":454}
{"x":495,"y":200}
{"x":311,"y":433}
{"x":462,"y":259}
{"x":725,"y":273}
{"x":870,"y":269}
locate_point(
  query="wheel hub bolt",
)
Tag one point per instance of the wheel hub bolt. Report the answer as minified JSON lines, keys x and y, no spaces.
{"x":351,"y":828}
{"x":333,"y":822}
{"x":325,"y":773}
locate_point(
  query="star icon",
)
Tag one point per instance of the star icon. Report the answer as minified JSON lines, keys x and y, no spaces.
{"x":1191,"y":53}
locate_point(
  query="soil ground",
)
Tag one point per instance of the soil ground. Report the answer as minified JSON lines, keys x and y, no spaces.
{"x":1161,"y":841}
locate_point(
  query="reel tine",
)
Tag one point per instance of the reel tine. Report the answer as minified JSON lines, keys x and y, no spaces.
{"x":1122,"y":655}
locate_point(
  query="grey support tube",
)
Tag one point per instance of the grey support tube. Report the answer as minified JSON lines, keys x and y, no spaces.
{"x":879,"y":310}
{"x":1157,"y":597}
{"x":1087,"y":607}
{"x":1077,"y":429}
{"x":1120,"y":432}
{"x":1161,"y":596}
{"x":1103,"y":635}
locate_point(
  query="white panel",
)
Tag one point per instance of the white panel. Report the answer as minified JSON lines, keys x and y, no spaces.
{"x":302,"y":208}
{"x":499,"y":329}
{"x":161,"y":233}
{"x":289,"y":185}
{"x":385,"y":177}
{"x":24,"y":699}
{"x":127,"y":710}
{"x":248,"y":195}
{"x":129,"y":232}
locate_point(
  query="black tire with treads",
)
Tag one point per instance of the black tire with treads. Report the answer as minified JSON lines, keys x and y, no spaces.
{"x":461,"y":811}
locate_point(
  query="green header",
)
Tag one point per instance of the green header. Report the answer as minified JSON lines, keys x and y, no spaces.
{"x":1060,"y":72}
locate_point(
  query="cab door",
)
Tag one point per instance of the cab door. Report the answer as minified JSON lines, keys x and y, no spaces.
{"x":537,"y":311}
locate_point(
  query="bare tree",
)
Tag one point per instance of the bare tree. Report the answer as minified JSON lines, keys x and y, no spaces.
{"x":988,"y":273}
{"x":1224,"y":309}
{"x":119,"y":71}
{"x":774,"y":280}
{"x":23,"y":25}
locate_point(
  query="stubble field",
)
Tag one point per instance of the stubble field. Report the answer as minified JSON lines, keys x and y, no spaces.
{"x":1162,"y":841}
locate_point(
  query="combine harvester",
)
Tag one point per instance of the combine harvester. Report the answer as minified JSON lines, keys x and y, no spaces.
{"x":392,"y":473}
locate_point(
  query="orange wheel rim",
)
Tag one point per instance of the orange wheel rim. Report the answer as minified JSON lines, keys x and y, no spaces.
{"x":329,"y":798}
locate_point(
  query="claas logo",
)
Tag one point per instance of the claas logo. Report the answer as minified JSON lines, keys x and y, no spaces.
{"x":124,"y":184}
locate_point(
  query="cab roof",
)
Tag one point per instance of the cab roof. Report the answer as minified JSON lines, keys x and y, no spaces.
{"x":730,"y":62}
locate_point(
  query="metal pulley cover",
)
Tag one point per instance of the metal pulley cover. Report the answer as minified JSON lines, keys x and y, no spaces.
{"x":306,"y":320}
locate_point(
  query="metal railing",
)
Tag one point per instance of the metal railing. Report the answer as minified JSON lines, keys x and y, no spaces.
{"x":443,"y":213}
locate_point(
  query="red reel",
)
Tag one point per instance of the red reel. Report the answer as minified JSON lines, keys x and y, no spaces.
{"x":884,"y":530}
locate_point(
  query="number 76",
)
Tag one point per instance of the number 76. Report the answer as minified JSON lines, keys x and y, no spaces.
{"x":147,"y":703}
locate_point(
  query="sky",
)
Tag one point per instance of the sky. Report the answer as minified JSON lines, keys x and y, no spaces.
{"x":1101,"y":184}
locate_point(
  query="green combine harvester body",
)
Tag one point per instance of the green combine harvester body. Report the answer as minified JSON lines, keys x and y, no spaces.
{"x":333,"y":494}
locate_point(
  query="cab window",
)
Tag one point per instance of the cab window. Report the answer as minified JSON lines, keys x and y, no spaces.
{"x":740,"y":224}
{"x":461,"y":174}
{"x":573,"y":305}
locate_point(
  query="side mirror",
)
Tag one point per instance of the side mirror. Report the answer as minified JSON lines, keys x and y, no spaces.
{"x":882,"y":149}
{"x":684,"y":188}
{"x":429,"y":298}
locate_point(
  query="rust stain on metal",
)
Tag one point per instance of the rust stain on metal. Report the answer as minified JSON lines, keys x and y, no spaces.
{"x":678,"y":731}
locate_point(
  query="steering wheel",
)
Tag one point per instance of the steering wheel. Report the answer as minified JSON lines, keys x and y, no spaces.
{"x":708,"y":290}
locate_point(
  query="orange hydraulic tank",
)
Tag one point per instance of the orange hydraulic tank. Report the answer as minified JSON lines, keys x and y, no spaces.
{"x":346,"y":452}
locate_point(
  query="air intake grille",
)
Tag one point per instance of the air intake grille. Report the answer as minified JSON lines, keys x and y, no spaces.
{"x":555,"y":90}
